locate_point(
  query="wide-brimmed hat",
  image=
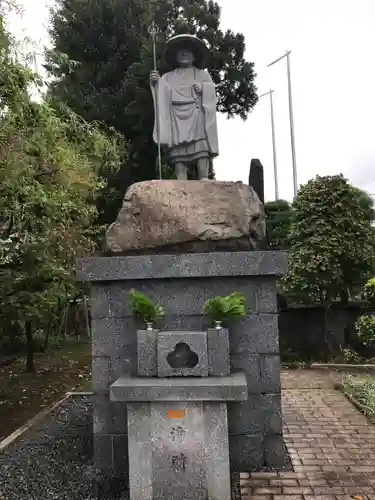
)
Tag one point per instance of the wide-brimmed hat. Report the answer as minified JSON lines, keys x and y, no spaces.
{"x":195,"y":44}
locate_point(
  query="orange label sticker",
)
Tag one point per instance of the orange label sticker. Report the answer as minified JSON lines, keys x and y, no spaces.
{"x":176,"y":413}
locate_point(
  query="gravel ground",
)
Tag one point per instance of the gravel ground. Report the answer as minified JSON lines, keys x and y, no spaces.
{"x":54,"y":461}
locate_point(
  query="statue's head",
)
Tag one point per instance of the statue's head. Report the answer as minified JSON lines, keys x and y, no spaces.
{"x":185,"y":51}
{"x":185,"y":57}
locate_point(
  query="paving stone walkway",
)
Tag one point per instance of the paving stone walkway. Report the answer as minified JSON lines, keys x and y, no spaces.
{"x":332,"y":446}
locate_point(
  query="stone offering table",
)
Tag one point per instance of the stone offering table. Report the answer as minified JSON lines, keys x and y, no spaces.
{"x":181,"y":284}
{"x":177,"y":423}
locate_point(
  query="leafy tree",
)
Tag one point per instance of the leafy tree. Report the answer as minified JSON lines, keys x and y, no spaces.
{"x":366,"y":202}
{"x":49,"y":179}
{"x":278,"y":218}
{"x":332,"y":240}
{"x":102,"y":57}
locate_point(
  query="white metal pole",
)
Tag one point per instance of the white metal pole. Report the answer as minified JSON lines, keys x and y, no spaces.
{"x":273,"y":143}
{"x":291,"y":119}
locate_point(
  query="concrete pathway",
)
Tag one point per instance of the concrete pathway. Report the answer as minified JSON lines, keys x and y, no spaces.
{"x":332,"y":446}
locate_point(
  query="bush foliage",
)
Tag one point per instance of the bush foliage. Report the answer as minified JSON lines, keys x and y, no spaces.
{"x":332,"y":240}
{"x":369,"y":290}
{"x":365,"y":327}
{"x":51,"y":163}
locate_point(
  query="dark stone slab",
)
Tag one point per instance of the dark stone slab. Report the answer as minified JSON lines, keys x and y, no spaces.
{"x":114,"y":337}
{"x":246,"y":452}
{"x":105,"y":370}
{"x":246,"y":417}
{"x":138,"y":389}
{"x":270,"y":367}
{"x":255,"y":334}
{"x":249,"y":364}
{"x":275,"y":454}
{"x":120,"y":455}
{"x":260,"y":414}
{"x":109,"y":417}
{"x":256,"y":178}
{"x":257,"y":263}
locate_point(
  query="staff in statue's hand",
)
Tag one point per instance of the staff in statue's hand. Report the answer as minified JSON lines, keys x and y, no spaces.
{"x":154,"y":77}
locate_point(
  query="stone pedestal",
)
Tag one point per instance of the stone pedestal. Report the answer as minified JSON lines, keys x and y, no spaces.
{"x":180,"y":456}
{"x":178,"y":435}
{"x":181,"y":284}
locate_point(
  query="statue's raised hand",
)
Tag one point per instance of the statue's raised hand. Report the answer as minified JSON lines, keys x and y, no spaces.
{"x":198,"y":88}
{"x":154,"y":77}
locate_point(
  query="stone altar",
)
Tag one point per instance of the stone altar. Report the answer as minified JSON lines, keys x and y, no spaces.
{"x":182,"y":283}
{"x":177,"y":426}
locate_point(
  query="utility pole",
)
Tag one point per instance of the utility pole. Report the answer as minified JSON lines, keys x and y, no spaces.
{"x":273,"y":143}
{"x":291,"y":118}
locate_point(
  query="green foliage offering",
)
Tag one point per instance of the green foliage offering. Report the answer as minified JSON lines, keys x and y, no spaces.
{"x":102,"y":57}
{"x":279,"y":215}
{"x":143,"y":308}
{"x":225,"y":308}
{"x":332,"y":240}
{"x":365,"y":327}
{"x":51,"y":161}
{"x":370,"y":290}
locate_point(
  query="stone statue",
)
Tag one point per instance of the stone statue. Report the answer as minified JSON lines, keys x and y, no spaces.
{"x":185,"y":106}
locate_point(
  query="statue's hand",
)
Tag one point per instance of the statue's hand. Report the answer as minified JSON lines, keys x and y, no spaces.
{"x":198,"y":87}
{"x":154,"y":77}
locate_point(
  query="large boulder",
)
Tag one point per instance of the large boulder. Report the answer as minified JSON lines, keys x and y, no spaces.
{"x":187,"y":216}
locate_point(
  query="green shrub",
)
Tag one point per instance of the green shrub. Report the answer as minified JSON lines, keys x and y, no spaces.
{"x":225,"y":308}
{"x":143,"y":308}
{"x":365,"y":327}
{"x":362,"y":389}
{"x":370,"y":291}
{"x":350,"y":356}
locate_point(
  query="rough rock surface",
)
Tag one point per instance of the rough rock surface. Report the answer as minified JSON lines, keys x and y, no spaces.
{"x":187,"y":216}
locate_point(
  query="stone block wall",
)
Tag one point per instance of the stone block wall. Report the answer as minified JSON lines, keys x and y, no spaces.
{"x":181,"y":284}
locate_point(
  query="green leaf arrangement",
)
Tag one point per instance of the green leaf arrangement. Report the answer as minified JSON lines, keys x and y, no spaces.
{"x":225,"y":308}
{"x":143,"y":308}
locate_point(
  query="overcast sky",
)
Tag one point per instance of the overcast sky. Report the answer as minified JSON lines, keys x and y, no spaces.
{"x":333,"y":82}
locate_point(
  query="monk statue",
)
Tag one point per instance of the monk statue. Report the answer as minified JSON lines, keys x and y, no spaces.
{"x":185,"y":106}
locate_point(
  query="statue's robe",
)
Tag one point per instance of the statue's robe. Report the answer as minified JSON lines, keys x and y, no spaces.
{"x":187,"y":120}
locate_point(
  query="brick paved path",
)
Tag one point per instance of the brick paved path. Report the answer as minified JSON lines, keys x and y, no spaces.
{"x":331,"y":444}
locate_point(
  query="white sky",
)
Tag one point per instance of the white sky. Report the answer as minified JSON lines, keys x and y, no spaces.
{"x":333,"y":82}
